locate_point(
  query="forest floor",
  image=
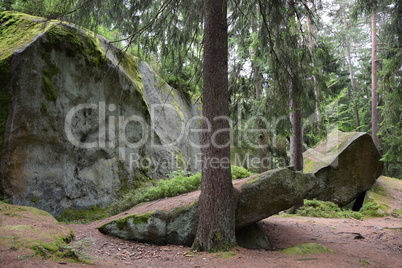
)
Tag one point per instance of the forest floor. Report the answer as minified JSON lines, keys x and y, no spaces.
{"x":373,"y":242}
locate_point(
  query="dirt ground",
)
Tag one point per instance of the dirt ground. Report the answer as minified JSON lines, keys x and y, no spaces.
{"x":373,"y":242}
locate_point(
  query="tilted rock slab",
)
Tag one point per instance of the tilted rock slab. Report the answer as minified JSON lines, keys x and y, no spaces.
{"x":174,"y":220}
{"x":346,"y":164}
{"x":80,"y":120}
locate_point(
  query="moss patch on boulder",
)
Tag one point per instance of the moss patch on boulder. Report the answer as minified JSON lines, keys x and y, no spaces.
{"x":382,"y":198}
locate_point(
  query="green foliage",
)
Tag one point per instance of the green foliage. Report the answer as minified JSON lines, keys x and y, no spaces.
{"x":372,"y":209}
{"x":74,"y":215}
{"x":240,"y":172}
{"x":178,"y":182}
{"x":325,"y":209}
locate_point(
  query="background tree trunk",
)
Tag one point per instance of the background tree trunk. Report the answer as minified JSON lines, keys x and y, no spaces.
{"x":216,"y":228}
{"x":374,"y":82}
{"x":352,"y":74}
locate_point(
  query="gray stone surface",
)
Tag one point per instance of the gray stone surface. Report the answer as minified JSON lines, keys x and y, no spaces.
{"x":253,"y":237}
{"x":177,"y":226}
{"x":86,"y":121}
{"x":345,"y":164}
{"x":271,"y":192}
{"x":170,"y":222}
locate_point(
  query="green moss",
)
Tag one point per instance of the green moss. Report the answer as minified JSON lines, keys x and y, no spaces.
{"x":43,"y":108}
{"x":74,"y":215}
{"x":176,"y":212}
{"x":74,"y":41}
{"x":226,"y":255}
{"x":326,"y":209}
{"x":179,"y":156}
{"x":364,"y":262}
{"x":18,"y":227}
{"x":372,"y":208}
{"x":130,"y":65}
{"x":308,"y":248}
{"x":255,"y":179}
{"x":16,"y":31}
{"x":135,"y":219}
{"x":48,"y":88}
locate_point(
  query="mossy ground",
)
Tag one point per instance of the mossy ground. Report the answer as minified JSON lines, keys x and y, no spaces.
{"x":379,"y":202}
{"x":32,"y":232}
{"x":308,"y":248}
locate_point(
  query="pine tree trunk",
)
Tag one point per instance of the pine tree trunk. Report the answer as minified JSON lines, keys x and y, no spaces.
{"x":216,"y":206}
{"x":352,"y":75}
{"x":296,"y":139}
{"x":317,"y":92}
{"x":374,"y":83}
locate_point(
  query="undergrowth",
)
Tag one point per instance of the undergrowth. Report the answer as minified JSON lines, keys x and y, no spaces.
{"x":327,"y":209}
{"x":177,"y":183}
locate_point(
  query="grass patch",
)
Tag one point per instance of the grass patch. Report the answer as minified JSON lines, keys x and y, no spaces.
{"x":226,"y":255}
{"x":74,"y":215}
{"x":327,"y":209}
{"x":308,"y":248}
{"x":177,"y":183}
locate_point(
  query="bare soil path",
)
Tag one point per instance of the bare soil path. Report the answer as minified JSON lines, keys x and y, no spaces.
{"x":373,"y":242}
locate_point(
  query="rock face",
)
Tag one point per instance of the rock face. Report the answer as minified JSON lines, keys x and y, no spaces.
{"x":252,"y":236}
{"x":174,"y":220}
{"x":345,"y":164}
{"x":80,"y":120}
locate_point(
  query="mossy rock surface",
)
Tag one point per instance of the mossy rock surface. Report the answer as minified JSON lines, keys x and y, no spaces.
{"x":171,"y":226}
{"x":174,"y":220}
{"x":72,"y":108}
{"x":346,"y":164}
{"x":31,"y":231}
{"x":384,"y":198}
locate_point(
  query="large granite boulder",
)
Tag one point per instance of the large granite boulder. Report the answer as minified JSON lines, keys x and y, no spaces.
{"x":82,"y":121}
{"x":270,"y":193}
{"x":346,"y":164}
{"x":174,"y":220}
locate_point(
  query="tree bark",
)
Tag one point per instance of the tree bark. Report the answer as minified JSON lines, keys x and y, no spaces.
{"x":352,"y":75}
{"x":296,"y":138}
{"x":374,"y":82}
{"x":216,"y":206}
{"x":262,"y":138}
{"x":317,"y":92}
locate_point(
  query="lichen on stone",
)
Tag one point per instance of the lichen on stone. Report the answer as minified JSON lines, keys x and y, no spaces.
{"x":134,"y":218}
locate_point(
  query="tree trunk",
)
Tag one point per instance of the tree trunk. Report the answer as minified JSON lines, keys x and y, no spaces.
{"x":352,"y":75}
{"x":216,"y":206}
{"x":374,"y":82}
{"x":314,"y":77}
{"x":296,"y":138}
{"x":262,"y":138}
